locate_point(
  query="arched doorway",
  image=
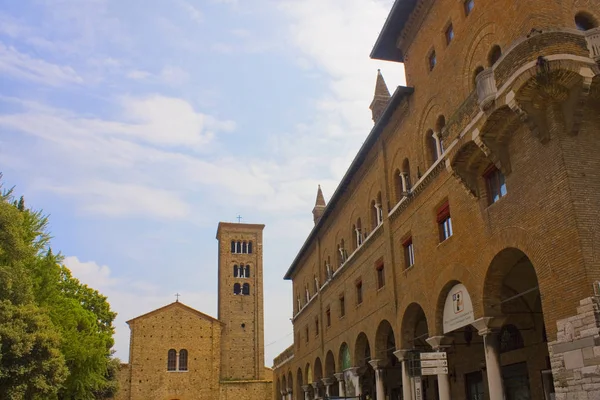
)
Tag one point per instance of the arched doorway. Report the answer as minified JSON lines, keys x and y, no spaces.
{"x":414,"y":335}
{"x":512,"y":296}
{"x":329,"y":374}
{"x":318,"y":377}
{"x":385,"y":346}
{"x":362,"y":356}
{"x":299,"y":392}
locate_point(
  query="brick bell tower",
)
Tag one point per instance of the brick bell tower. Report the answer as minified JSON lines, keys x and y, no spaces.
{"x":241,"y":301}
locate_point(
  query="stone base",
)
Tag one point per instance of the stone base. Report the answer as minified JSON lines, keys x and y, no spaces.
{"x":575,"y":355}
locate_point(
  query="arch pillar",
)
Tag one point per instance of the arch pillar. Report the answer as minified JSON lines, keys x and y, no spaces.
{"x":403,"y":357}
{"x":379,"y":387}
{"x":442,"y":379}
{"x":487,"y":327}
{"x":305,"y":389}
{"x":328,"y":382}
{"x":354,"y":375}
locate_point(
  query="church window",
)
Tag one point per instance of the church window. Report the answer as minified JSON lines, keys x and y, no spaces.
{"x":246,"y":289}
{"x":247,"y":271}
{"x":244,"y":248}
{"x":183,"y":360}
{"x":171,"y":360}
{"x":238,"y":247}
{"x":237,"y":289}
{"x":235,"y":271}
{"x":249,"y":247}
{"x":233,"y":246}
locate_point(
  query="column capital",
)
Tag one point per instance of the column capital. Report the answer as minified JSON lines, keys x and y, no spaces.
{"x":487,"y":325}
{"x":305,"y":388}
{"x":402,"y":354}
{"x":328,"y":381}
{"x":355,"y":371}
{"x":339,"y":376}
{"x":436,"y":341}
{"x":316,"y":384}
{"x":376,"y":364}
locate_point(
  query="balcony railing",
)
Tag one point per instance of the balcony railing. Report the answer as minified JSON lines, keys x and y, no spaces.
{"x":486,"y":88}
{"x":593,"y":41}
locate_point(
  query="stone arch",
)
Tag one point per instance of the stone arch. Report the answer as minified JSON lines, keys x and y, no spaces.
{"x":284,"y":385}
{"x":385,"y":343}
{"x":299,"y":383}
{"x":362,"y":350}
{"x":329,"y":364}
{"x":414,"y":329}
{"x":290,"y":381}
{"x":344,"y":357}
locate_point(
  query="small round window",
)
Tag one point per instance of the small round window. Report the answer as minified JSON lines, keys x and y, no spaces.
{"x":585,"y":22}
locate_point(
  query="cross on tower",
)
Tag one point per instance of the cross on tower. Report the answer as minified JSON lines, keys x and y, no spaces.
{"x":177,"y":296}
{"x":239,"y":218}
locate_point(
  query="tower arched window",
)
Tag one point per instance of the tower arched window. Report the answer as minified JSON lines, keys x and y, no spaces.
{"x":183,"y":360}
{"x":406,"y":172}
{"x":250,"y":247}
{"x":585,"y":22}
{"x":494,"y":56}
{"x":440,"y":124}
{"x":359,"y":230}
{"x":246,"y":289}
{"x":235,"y":271}
{"x":238,"y":247}
{"x":232,"y":246}
{"x":237,"y":289}
{"x":247,"y":271}
{"x":244,"y":247}
{"x":353,"y":234}
{"x":172,"y":360}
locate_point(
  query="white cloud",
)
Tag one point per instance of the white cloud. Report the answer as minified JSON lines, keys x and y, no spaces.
{"x":174,"y":75}
{"x":193,"y":12}
{"x":24,"y":66}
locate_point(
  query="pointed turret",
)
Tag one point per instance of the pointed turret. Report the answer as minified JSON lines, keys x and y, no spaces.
{"x":381,"y":98}
{"x":319,"y":206}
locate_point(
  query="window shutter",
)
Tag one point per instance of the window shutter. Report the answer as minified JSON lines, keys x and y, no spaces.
{"x":443,"y":212}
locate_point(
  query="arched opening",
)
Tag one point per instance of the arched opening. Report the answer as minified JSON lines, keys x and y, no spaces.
{"x":309,"y":382}
{"x":183,"y":360}
{"x":355,"y":242}
{"x":373,"y":215}
{"x":344,"y":358}
{"x":406,"y":172}
{"x":172,"y":360}
{"x":249,"y":247}
{"x":379,"y":209}
{"x":247,"y":274}
{"x":585,"y":21}
{"x":237,"y":288}
{"x":235,"y":271}
{"x":432,"y":152}
{"x":238,"y":247}
{"x":327,"y":273}
{"x":246,"y":289}
{"x":244,"y":247}
{"x":359,"y":232}
{"x":329,"y":371}
{"x":283,"y":385}
{"x":318,"y":376}
{"x":232,"y":246}
{"x":298,"y":391}
{"x":362,"y":356}
{"x":278,"y":389}
{"x":494,"y":55}
{"x":440,"y":124}
{"x":385,"y":345}
{"x":290,"y":383}
{"x":398,"y":189}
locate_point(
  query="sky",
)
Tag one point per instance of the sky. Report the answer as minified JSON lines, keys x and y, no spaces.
{"x":138,"y":125}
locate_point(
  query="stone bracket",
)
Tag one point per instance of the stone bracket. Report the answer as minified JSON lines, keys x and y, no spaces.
{"x":463,"y":181}
{"x":535,"y":124}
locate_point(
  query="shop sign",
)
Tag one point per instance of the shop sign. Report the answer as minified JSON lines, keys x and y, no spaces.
{"x":458,"y":309}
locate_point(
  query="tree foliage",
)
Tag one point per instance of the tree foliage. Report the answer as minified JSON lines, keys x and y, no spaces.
{"x":56,"y":333}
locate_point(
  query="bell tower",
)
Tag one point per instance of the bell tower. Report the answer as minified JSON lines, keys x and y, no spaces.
{"x":241,"y":300}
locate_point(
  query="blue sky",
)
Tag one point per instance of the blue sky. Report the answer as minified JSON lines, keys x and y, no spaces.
{"x":138,"y":125}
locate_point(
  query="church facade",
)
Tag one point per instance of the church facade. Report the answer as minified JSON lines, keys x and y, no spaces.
{"x":458,"y":258}
{"x":179,"y":353}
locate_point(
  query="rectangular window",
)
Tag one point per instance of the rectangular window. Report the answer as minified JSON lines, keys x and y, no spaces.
{"x":380,"y":275}
{"x":496,"y":184}
{"x":449,"y":34}
{"x":432,"y":60}
{"x":328,"y":316}
{"x":409,"y":252}
{"x":444,"y":221}
{"x":342,"y":306}
{"x":359,"y":296}
{"x":316,"y":326}
{"x":469,"y":5}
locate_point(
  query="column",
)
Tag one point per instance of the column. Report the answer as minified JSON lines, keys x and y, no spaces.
{"x":438,"y":144}
{"x":342,"y":387}
{"x":354,"y":375}
{"x":442,"y":379}
{"x":328,"y":382}
{"x":403,"y":357}
{"x":404,"y":182}
{"x":283,"y":394}
{"x":378,"y":211}
{"x":379,"y":386}
{"x":315,"y":386}
{"x":486,"y":327}
{"x":305,"y":390}
{"x":289,"y":394}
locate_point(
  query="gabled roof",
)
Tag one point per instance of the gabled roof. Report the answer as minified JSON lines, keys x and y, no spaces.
{"x":385,"y":47}
{"x":401,"y":93}
{"x":180,"y":305}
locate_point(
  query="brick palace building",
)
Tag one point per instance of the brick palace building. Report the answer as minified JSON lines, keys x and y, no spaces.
{"x":468,"y":222}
